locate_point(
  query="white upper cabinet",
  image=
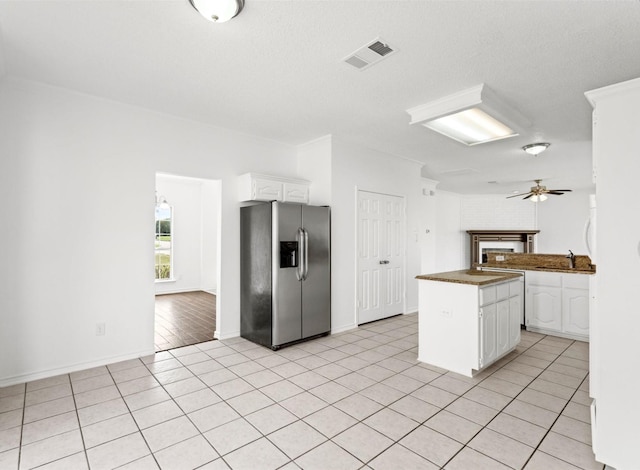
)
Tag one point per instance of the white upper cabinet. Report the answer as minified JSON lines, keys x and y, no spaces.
{"x":257,"y":187}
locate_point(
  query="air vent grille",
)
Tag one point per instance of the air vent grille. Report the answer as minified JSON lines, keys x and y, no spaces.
{"x":356,"y":61}
{"x":380,"y":48}
{"x":370,"y":54}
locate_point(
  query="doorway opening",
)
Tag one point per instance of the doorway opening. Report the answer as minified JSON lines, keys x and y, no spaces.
{"x":186,"y":260}
{"x":381,"y":264}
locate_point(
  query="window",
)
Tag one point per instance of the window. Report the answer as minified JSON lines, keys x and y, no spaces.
{"x":163,"y":244}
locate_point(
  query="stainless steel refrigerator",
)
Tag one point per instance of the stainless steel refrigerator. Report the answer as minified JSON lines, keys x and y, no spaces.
{"x":285,"y":273}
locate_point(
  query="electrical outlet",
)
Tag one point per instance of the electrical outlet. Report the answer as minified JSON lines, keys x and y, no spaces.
{"x":100,"y":329}
{"x":499,"y":257}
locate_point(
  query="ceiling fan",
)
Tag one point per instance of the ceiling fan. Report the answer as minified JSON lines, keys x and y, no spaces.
{"x":539,"y":193}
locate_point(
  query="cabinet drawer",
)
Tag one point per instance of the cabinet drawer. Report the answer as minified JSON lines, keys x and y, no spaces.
{"x":487,"y":295}
{"x":515,"y":288}
{"x":502,"y":291}
{"x":576,"y":281}
{"x":541,"y":278}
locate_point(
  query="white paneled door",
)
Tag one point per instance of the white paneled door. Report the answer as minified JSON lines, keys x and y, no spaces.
{"x":381,"y":263}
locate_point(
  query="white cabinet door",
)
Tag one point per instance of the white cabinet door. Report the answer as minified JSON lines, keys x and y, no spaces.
{"x":575,"y":311}
{"x":503,"y":326}
{"x":488,"y":335}
{"x":544,"y":307}
{"x":296,"y":193}
{"x":380,"y":256}
{"x":266,"y":190}
{"x":515,"y":319}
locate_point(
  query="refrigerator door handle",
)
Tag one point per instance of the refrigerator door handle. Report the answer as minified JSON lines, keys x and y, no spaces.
{"x":305,"y":254}
{"x":301,"y":255}
{"x":587,"y":235}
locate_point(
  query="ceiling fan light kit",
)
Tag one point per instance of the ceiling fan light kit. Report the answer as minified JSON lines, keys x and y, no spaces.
{"x":536,"y":149}
{"x":218,"y":11}
{"x":539,"y":193}
{"x":473,"y":116}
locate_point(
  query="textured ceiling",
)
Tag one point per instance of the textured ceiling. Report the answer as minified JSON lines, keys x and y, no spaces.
{"x":275,"y":71}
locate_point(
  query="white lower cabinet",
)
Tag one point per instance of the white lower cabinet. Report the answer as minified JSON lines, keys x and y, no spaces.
{"x":558,"y":304}
{"x":499,"y":319}
{"x":464,"y":327}
{"x":488,"y":335}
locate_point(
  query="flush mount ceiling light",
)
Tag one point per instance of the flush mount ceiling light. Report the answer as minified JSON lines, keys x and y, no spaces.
{"x":472,"y":116}
{"x":218,"y":11}
{"x":536,"y":149}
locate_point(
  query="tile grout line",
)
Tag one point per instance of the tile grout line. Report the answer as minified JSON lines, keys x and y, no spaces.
{"x":554,"y":422}
{"x":511,"y":401}
{"x":403,"y":350}
{"x":75,"y":408}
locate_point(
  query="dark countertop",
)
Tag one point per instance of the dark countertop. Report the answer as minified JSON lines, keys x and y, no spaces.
{"x":549,"y":269}
{"x":470,"y":276}
{"x":544,"y":262}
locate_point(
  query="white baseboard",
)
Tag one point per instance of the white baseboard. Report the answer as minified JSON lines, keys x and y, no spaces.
{"x":23,"y":378}
{"x":411,"y":310}
{"x":343,"y":328}
{"x":232,"y":334}
{"x":212,"y":291}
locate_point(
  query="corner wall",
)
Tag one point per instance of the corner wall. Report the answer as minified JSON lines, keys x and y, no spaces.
{"x":69,"y":162}
{"x":354,"y":168}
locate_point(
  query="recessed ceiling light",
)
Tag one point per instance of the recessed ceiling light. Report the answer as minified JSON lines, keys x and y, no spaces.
{"x":472,"y":116}
{"x":536,"y":149}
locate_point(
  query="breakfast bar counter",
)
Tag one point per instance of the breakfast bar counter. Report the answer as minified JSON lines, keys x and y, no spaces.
{"x":470,"y":276}
{"x":468,"y":319}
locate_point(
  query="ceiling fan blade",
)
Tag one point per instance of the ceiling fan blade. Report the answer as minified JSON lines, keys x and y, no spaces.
{"x":556,"y":192}
{"x":527,"y":197}
{"x":561,"y":190}
{"x":516,"y":195}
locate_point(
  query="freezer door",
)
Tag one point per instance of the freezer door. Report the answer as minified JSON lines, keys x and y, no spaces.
{"x":316,"y":288}
{"x":255,"y":273}
{"x":287,"y":298}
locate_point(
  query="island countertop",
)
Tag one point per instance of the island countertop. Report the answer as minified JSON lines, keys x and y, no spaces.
{"x":470,"y":276}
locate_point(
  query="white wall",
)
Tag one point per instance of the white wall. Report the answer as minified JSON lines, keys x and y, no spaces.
{"x":314,"y":165}
{"x":359,"y":168}
{"x":561,"y":220}
{"x":210,"y":226}
{"x":69,"y":163}
{"x":194,"y":238}
{"x":427,"y":230}
{"x":450,"y":241}
{"x":494,"y":212}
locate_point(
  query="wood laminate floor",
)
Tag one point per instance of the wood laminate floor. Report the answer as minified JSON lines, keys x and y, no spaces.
{"x":184,"y":319}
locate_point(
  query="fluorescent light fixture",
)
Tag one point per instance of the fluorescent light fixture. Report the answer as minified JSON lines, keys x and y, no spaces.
{"x":472,"y":116}
{"x":218,"y":11}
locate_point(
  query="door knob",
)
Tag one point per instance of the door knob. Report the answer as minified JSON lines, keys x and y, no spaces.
{"x":385,"y":261}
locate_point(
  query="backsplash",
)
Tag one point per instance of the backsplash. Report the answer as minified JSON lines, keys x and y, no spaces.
{"x":536,"y":260}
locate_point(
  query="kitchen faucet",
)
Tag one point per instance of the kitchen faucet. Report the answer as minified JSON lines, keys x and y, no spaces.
{"x":572,"y":260}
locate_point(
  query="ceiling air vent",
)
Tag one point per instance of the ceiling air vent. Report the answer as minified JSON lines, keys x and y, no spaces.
{"x":369,"y":54}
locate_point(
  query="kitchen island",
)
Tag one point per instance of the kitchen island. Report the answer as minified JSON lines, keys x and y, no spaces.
{"x":468,"y":319}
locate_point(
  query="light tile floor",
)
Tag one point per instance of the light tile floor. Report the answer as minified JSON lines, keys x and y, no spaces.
{"x":353,"y":400}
